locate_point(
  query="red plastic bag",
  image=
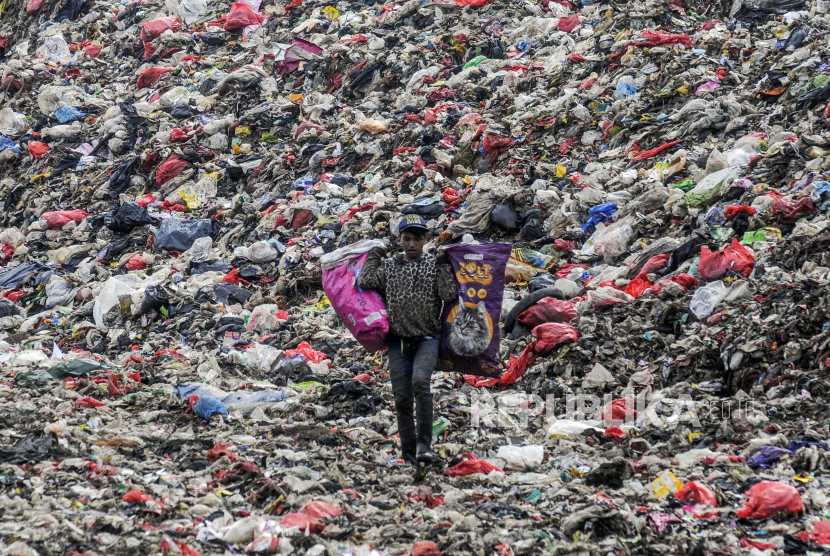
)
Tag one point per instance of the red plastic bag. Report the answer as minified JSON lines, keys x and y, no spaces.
{"x":149,"y":76}
{"x":88,"y":402}
{"x":660,"y":37}
{"x":568,"y":23}
{"x":655,"y":263}
{"x":736,"y":257}
{"x":638,"y":286}
{"x":732,"y":211}
{"x":308,"y":352}
{"x":547,"y":309}
{"x":614,"y":432}
{"x":516,"y":368}
{"x":697,"y":492}
{"x":768,"y":498}
{"x":240,"y":16}
{"x":423,"y":548}
{"x":790,"y":210}
{"x":303,"y":522}
{"x":819,"y":535}
{"x":220,"y":449}
{"x":471,"y":465}
{"x":136,"y":496}
{"x":37,"y":149}
{"x":146,"y":200}
{"x":33,"y":5}
{"x":620,"y":411}
{"x":565,"y":245}
{"x":153,"y":29}
{"x":169,"y":169}
{"x":60,"y":218}
{"x":471,"y":3}
{"x":551,"y":335}
{"x":178,"y":135}
{"x":136,"y":262}
{"x":321,"y":510}
{"x":567,"y":268}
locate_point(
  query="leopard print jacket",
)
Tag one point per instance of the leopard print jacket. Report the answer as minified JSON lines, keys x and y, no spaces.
{"x":414,"y":291}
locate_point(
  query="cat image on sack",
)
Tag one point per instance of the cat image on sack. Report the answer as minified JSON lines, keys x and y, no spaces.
{"x":470,"y":332}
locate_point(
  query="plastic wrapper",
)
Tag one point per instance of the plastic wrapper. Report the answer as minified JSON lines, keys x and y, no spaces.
{"x":175,"y":234}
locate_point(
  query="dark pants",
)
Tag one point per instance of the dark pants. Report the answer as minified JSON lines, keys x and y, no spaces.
{"x":411,"y":362}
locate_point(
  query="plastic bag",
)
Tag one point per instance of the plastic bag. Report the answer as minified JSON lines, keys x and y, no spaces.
{"x":707,"y":298}
{"x":208,"y":407}
{"x":697,"y":492}
{"x":169,"y":169}
{"x":60,"y":218}
{"x":638,"y":286}
{"x":479,"y":271}
{"x":129,"y":216}
{"x":613,"y":243}
{"x":734,"y":256}
{"x":153,"y":29}
{"x":619,"y":411}
{"x":241,"y":16}
{"x":767,"y":498}
{"x":790,"y":210}
{"x":362,"y":311}
{"x":470,"y":466}
{"x":547,"y":309}
{"x":37,"y":149}
{"x":709,"y":189}
{"x":310,"y":354}
{"x":321,"y":510}
{"x":175,"y":234}
{"x":819,"y":535}
{"x":190,"y":10}
{"x":303,"y":522}
{"x":149,"y":76}
{"x":551,"y":335}
{"x":521,"y":457}
{"x":120,"y":178}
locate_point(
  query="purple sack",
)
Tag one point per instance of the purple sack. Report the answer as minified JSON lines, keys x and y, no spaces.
{"x":362,"y":311}
{"x":479,"y":271}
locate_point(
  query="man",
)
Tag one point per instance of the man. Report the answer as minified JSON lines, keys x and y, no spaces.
{"x":414,"y":286}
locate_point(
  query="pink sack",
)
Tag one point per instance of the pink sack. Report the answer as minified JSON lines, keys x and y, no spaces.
{"x":362,"y":311}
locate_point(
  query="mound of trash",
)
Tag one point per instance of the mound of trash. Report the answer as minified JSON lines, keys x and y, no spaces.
{"x":176,"y":381}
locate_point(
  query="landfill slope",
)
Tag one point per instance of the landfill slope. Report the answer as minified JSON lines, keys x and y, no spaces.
{"x":175,"y":381}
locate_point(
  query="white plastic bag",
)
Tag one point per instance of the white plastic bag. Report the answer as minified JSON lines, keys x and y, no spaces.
{"x":707,"y":298}
{"x":521,"y":457}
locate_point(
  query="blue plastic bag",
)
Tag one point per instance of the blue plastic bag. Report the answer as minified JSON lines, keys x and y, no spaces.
{"x":208,"y":407}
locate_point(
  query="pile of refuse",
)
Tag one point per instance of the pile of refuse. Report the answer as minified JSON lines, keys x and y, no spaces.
{"x":175,"y":380}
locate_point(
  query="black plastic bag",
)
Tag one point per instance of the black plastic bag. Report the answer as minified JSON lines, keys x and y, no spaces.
{"x":532,"y":228}
{"x":180,"y":111}
{"x":505,"y":216}
{"x":155,"y":297}
{"x":30,"y":448}
{"x":176,"y":234}
{"x":679,"y":255}
{"x":127,"y":217}
{"x":70,"y":10}
{"x":120,"y":178}
{"x":429,"y":212}
{"x":541,"y":281}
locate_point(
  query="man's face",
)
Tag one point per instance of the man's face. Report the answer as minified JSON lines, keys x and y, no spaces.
{"x":413,"y":245}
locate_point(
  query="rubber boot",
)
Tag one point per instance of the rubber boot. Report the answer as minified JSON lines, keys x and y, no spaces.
{"x":408,"y":451}
{"x":424,"y":451}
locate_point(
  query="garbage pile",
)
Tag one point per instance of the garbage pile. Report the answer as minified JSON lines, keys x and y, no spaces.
{"x":175,"y":380}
